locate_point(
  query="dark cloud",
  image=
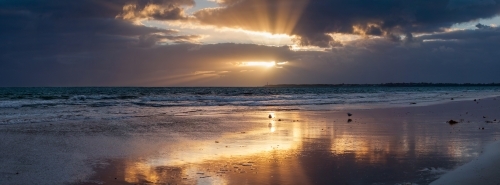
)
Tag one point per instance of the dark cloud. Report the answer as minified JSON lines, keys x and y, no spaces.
{"x":160,"y":9}
{"x":60,"y":28}
{"x":312,"y":20}
{"x":458,"y":57}
{"x":462,"y":56}
{"x":84,"y":43}
{"x":133,"y":66}
{"x":321,"y":40}
{"x":59,"y":42}
{"x":481,"y":26}
{"x":58,"y":9}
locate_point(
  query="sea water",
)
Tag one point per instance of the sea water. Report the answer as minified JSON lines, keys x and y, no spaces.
{"x":31,"y":105}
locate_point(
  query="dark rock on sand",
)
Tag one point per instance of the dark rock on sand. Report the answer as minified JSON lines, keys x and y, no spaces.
{"x":270,"y":116}
{"x":349,"y":120}
{"x":452,"y":122}
{"x":349,"y":114}
{"x":413,"y":103}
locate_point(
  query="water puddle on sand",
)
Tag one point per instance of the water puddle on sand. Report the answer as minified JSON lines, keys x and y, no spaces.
{"x":383,"y":146}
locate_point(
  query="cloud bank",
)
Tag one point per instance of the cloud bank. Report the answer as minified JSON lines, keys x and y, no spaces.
{"x":313,"y":20}
{"x":99,"y":43}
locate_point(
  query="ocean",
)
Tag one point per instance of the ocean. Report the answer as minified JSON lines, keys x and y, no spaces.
{"x":222,"y":135}
{"x":33,"y":105}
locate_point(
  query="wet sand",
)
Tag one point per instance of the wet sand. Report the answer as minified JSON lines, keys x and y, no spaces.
{"x":407,"y":145}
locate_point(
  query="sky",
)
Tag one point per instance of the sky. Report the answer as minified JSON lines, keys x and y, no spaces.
{"x":247,"y":42}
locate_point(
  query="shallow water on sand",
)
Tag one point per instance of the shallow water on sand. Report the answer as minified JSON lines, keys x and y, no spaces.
{"x":379,"y":146}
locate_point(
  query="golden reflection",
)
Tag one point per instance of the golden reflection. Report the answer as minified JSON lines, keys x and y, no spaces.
{"x":137,"y":172}
{"x":274,"y":146}
{"x":363,"y":149}
{"x":272,"y":126}
{"x":272,"y":143}
{"x":228,"y":144}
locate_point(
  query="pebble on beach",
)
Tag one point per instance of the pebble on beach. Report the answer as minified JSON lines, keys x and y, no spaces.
{"x":270,"y":125}
{"x":349,"y":120}
{"x":349,"y":114}
{"x":452,"y":122}
{"x":270,"y":116}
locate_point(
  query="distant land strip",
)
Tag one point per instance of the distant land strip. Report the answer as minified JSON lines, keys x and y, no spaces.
{"x":389,"y":85}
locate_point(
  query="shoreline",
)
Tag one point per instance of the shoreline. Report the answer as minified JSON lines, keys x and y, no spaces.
{"x":482,"y":170}
{"x":305,"y":147}
{"x":423,"y":84}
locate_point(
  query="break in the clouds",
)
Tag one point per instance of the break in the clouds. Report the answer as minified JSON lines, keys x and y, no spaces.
{"x":110,"y":43}
{"x":314,"y":20}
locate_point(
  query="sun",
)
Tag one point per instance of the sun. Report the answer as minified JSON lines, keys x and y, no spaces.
{"x":259,"y":64}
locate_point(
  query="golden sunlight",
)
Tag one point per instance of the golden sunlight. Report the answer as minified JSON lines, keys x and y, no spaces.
{"x":259,"y":64}
{"x":262,"y":64}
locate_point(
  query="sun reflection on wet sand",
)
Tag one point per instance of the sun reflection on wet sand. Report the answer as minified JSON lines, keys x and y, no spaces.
{"x":307,"y":148}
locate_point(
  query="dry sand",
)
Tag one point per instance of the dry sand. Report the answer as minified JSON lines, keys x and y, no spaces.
{"x":379,"y":146}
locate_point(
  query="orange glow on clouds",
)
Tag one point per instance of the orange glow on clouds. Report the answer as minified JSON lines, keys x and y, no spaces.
{"x":262,"y":64}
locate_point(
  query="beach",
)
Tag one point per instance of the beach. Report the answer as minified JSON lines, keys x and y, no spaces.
{"x":412,"y":144}
{"x":249,"y":92}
